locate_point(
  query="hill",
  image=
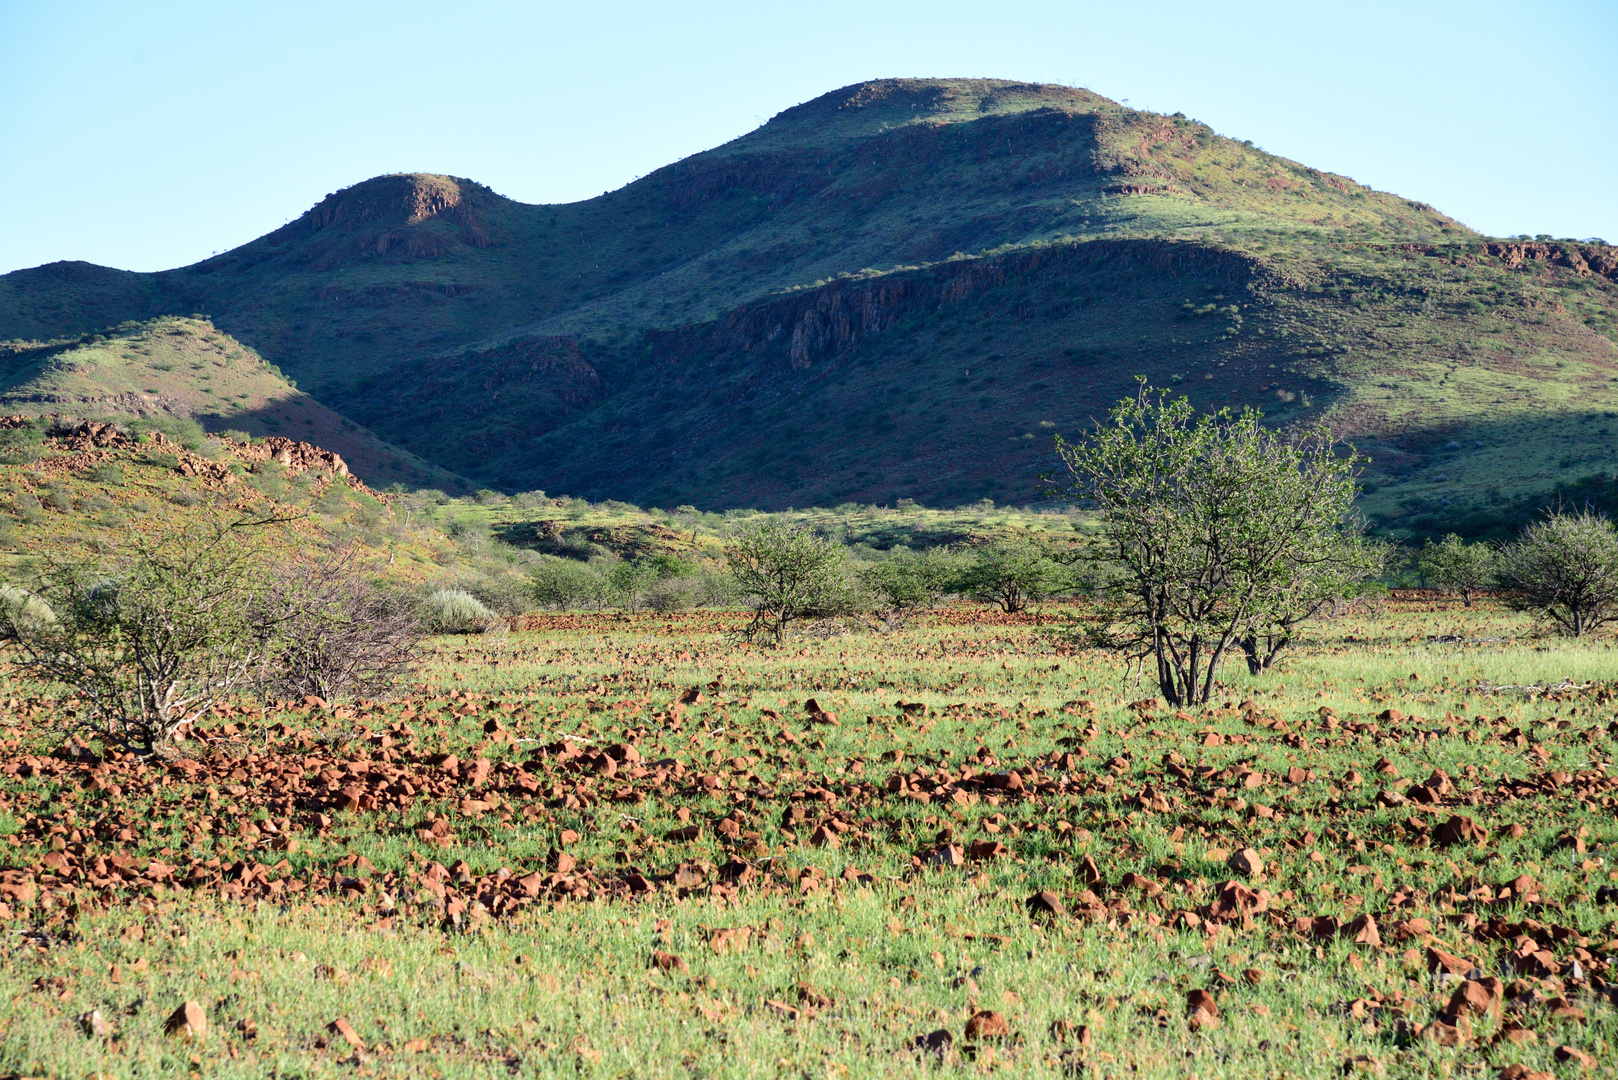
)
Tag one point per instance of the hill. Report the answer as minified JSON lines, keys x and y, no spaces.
{"x":171,"y":368}
{"x":901,"y":289}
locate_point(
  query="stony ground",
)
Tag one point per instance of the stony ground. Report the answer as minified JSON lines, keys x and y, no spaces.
{"x":629,"y":846}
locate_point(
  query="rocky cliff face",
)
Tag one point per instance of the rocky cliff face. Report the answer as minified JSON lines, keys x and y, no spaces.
{"x":1580,"y":258}
{"x":813,"y":325}
{"x":386,"y":214}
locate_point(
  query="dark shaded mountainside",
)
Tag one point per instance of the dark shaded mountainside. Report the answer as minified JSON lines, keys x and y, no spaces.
{"x":904,"y":288}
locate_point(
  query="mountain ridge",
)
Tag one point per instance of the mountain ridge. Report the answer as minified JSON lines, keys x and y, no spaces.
{"x":546,"y":345}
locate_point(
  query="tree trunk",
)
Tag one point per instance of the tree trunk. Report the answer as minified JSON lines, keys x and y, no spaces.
{"x":1261,"y":655}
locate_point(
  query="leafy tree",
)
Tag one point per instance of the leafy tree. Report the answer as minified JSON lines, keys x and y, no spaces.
{"x":153,"y":637}
{"x":789,"y":573}
{"x":629,"y":581}
{"x":1457,"y":566}
{"x":1214,"y":528}
{"x":1335,"y":575}
{"x":568,"y":583}
{"x":1013,"y":574}
{"x":1565,"y":569}
{"x":909,"y":581}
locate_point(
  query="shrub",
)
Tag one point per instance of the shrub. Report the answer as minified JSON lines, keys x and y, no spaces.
{"x":26,"y":505}
{"x":335,"y":633}
{"x":629,"y":582}
{"x":675,"y":594}
{"x":1564,"y":569}
{"x":23,"y":609}
{"x":907,"y":582}
{"x":152,"y":638}
{"x":500,"y":591}
{"x":22,"y":445}
{"x":108,"y":472}
{"x":187,"y":432}
{"x":790,"y":574}
{"x":1455,"y":565}
{"x":454,"y":611}
{"x":566,"y":584}
{"x":1013,"y":574}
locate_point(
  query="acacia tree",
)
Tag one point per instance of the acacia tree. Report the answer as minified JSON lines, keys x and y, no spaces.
{"x":1565,"y":569}
{"x":152,"y":638}
{"x":790,"y":573}
{"x":1338,"y":572}
{"x":911,"y":581}
{"x":1460,"y":567}
{"x":1214,"y":528}
{"x":1013,"y":574}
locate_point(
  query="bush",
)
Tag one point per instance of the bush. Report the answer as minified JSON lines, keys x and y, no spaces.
{"x":1457,"y":566}
{"x":152,"y":638}
{"x":108,"y":472}
{"x":335,"y":633}
{"x":790,"y":574}
{"x":1013,"y":574}
{"x":501,"y":591}
{"x":1564,"y":569}
{"x":23,"y":609}
{"x":188,"y":433}
{"x":675,"y":594}
{"x":629,"y":582}
{"x":22,"y":445}
{"x":907,"y":582}
{"x":454,"y":611}
{"x":26,"y":505}
{"x":566,"y":584}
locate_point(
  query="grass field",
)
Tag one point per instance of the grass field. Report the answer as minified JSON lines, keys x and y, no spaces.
{"x":646,"y":855}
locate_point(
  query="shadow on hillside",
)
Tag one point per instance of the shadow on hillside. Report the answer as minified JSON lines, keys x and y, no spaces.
{"x":1485,"y":481}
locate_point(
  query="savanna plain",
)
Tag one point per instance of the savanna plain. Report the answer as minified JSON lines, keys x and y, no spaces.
{"x":634,"y":845}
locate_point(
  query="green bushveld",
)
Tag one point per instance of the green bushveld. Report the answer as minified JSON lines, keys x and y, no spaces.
{"x":895,"y":950}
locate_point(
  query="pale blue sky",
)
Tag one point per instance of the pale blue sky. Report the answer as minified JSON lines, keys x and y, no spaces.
{"x":148,"y":135}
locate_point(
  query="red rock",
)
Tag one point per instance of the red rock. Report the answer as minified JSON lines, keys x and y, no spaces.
{"x":1572,"y":1055}
{"x":663,"y":961}
{"x":189,"y":1021}
{"x":342,"y":1027}
{"x":1246,"y":862}
{"x":1045,"y":904}
{"x":1362,"y":930}
{"x":1439,"y":960}
{"x":987,"y":1025}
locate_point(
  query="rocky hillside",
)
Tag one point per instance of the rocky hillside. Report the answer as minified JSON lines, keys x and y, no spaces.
{"x":175,"y":368}
{"x":903,"y":288}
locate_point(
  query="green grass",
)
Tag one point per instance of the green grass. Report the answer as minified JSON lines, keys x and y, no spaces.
{"x":568,"y":988}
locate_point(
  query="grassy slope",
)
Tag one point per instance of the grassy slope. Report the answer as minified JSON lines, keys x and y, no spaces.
{"x":520,"y":327}
{"x":945,"y":384}
{"x":184,"y":367}
{"x":81,"y":500}
{"x":569,"y":990}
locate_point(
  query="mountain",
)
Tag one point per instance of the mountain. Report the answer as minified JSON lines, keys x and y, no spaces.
{"x":903,"y":288}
